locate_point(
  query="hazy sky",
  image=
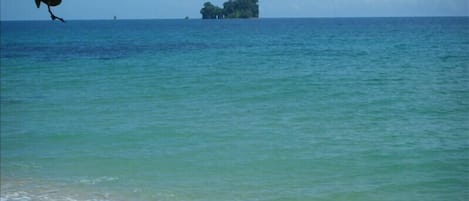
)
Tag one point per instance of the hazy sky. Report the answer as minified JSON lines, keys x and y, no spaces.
{"x":149,"y":9}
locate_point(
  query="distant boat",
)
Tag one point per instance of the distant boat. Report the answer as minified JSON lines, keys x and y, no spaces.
{"x":186,"y":18}
{"x":115,"y":17}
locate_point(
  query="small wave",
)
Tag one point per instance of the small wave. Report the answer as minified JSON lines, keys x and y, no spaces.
{"x":33,"y":190}
{"x":14,"y":196}
{"x":98,"y":180}
{"x":25,"y":196}
{"x":451,"y":57}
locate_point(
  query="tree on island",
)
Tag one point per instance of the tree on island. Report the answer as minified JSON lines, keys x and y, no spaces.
{"x":231,"y":9}
{"x":210,"y":11}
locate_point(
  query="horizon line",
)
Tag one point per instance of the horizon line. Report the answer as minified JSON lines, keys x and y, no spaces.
{"x":183,"y":18}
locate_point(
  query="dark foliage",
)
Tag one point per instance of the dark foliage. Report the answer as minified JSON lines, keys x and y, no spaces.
{"x":231,"y":9}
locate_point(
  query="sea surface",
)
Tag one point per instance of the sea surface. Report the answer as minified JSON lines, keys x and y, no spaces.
{"x":345,"y":109}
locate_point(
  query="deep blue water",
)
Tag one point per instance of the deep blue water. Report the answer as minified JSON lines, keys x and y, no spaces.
{"x":251,"y":110}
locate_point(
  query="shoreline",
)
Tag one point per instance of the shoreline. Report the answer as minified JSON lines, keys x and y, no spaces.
{"x":37,"y":190}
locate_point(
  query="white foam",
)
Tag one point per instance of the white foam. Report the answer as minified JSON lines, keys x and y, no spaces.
{"x":47,"y":196}
{"x":34,"y":190}
{"x":24,"y":196}
{"x":98,"y":180}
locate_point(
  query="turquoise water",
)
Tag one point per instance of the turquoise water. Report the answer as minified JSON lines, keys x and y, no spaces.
{"x":235,"y":110}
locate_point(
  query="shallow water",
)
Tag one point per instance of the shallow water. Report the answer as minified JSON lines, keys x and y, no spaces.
{"x":269,"y":109}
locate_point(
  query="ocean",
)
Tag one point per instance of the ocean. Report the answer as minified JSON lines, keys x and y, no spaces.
{"x":235,"y":110}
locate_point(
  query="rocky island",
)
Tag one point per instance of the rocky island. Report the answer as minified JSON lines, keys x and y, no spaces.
{"x":231,"y":9}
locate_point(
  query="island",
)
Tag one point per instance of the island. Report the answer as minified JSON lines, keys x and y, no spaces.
{"x":231,"y":9}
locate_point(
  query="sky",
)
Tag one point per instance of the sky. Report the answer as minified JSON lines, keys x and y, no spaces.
{"x":178,"y":9}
